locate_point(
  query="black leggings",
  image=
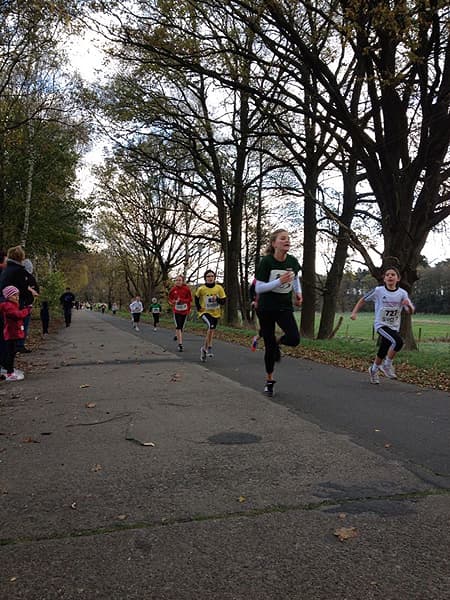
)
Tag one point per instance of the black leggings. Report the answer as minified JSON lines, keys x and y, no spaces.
{"x":291,"y":337}
{"x":389,"y":339}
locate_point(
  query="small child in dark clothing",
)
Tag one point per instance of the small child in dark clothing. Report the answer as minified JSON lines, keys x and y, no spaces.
{"x":45,"y":317}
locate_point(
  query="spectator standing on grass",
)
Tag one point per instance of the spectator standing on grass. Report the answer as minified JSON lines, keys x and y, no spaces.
{"x":67,"y":300}
{"x":390,"y":300}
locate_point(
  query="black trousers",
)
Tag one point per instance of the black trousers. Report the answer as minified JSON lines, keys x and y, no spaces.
{"x":9,"y":356}
{"x":291,"y":337}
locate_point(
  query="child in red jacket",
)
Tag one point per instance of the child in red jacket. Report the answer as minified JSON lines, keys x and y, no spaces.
{"x":13,"y":329}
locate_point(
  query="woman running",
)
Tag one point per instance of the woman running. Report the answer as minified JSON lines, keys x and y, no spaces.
{"x":276,"y":280}
{"x":180,"y":299}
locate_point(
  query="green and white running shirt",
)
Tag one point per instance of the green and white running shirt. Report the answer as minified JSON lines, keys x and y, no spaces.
{"x":270,"y":269}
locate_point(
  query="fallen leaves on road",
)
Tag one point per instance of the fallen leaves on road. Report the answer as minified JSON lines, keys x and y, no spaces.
{"x":175,"y":377}
{"x":30,"y":440}
{"x":346,"y":533}
{"x":241,"y":499}
{"x":90,"y":405}
{"x":96,"y":468}
{"x":84,"y":385}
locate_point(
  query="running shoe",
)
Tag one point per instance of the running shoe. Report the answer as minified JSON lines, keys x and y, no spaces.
{"x":388,"y":370}
{"x":254,"y":343}
{"x":202,"y":354}
{"x":180,"y":347}
{"x":374,"y":378}
{"x":210,"y":353}
{"x":268,"y":388}
{"x":137,"y":328}
{"x":14,"y":377}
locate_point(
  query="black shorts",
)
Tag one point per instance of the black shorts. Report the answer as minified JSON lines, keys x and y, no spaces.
{"x":180,"y":320}
{"x":210,"y":321}
{"x":136,"y":317}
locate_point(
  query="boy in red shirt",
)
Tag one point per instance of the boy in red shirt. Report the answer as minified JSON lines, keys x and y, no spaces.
{"x":13,"y":329}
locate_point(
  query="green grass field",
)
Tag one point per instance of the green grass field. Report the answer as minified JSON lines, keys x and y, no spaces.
{"x":425,"y":327}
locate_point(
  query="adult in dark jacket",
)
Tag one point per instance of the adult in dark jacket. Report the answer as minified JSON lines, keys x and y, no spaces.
{"x":15,"y":274}
{"x":67,"y":300}
{"x":2,"y":339}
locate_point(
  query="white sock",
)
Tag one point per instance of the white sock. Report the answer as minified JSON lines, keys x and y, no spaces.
{"x":388,"y":361}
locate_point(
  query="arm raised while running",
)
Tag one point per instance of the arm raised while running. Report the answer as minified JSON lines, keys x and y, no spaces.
{"x":356,"y":308}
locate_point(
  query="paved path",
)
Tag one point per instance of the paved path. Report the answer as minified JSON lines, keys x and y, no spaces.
{"x":128,"y":472}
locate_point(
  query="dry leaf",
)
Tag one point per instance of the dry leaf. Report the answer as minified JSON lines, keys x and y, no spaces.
{"x":387,"y":445}
{"x":148,"y":444}
{"x":342,"y":516}
{"x":96,"y":468}
{"x":85,"y":385}
{"x":73,"y":505}
{"x":241,"y":499}
{"x":175,"y":377}
{"x":90,"y":405}
{"x":29,"y":440}
{"x":122,"y":517}
{"x":13,"y":579}
{"x":345,"y":533}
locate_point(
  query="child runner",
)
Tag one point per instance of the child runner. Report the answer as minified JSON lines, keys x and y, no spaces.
{"x":155,"y":309}
{"x":276,"y":279}
{"x":45,"y":317}
{"x":136,"y":308}
{"x":389,"y":301}
{"x":180,"y":299}
{"x":208,"y":299}
{"x":13,"y":329}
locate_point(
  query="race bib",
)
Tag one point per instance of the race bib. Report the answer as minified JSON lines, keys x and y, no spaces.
{"x":211,"y":302}
{"x":390,"y":316}
{"x":180,"y":306}
{"x":155,"y":310}
{"x":283,"y":288}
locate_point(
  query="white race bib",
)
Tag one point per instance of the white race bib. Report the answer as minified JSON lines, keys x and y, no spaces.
{"x":283,"y":288}
{"x":390,"y":316}
{"x":180,"y":306}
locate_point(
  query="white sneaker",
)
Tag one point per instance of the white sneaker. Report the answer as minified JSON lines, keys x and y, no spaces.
{"x":388,"y":370}
{"x":14,"y":377}
{"x":374,"y":378}
{"x":202,"y":354}
{"x":137,"y":328}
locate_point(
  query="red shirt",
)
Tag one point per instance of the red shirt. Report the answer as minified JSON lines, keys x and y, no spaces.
{"x":13,"y":317}
{"x":180,"y":297}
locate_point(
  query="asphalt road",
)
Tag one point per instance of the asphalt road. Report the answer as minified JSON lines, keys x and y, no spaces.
{"x":409,"y":423}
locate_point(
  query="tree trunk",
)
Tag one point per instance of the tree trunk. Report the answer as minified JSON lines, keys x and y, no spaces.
{"x":309,"y":260}
{"x":332,"y":285}
{"x":334,"y":277}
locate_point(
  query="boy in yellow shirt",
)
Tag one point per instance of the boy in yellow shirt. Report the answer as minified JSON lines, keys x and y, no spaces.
{"x":209,"y":299}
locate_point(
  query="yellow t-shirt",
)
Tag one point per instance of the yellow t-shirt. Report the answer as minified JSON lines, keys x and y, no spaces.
{"x":208,"y":299}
